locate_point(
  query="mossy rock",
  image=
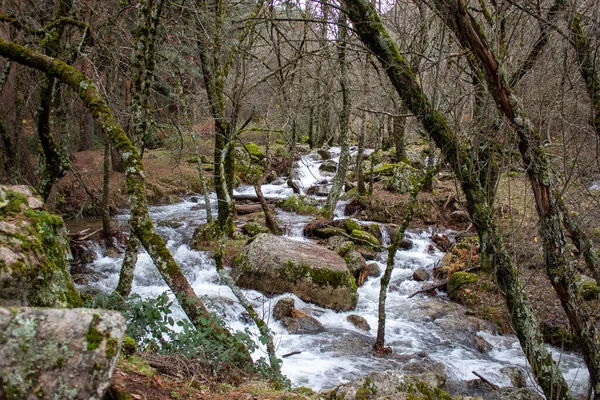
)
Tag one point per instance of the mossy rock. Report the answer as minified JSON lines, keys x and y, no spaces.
{"x":253,"y":228}
{"x":352,"y":225}
{"x":58,"y":353}
{"x":326,"y":233}
{"x":205,"y":234}
{"x":589,"y":290}
{"x":255,"y":152}
{"x":362,"y":237}
{"x":459,"y":279}
{"x":351,"y":195}
{"x":34,"y":253}
{"x":275,"y":264}
{"x":303,"y":205}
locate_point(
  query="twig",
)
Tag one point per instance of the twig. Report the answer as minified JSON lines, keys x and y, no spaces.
{"x":293,"y":353}
{"x":428,"y":289}
{"x":495,"y":387}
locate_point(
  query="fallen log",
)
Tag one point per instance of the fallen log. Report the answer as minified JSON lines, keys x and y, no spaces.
{"x":250,"y":208}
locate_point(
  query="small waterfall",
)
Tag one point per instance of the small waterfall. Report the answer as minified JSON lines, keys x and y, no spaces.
{"x":385,"y":235}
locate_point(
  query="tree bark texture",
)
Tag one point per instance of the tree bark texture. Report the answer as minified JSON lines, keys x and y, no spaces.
{"x":373,"y":34}
{"x":340,"y":176}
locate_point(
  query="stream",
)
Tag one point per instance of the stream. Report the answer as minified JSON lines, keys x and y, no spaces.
{"x":417,"y":327}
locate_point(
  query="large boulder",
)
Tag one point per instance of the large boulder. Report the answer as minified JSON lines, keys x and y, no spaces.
{"x":394,"y":385}
{"x":274,"y":265}
{"x":58,"y":353}
{"x":34,"y":250}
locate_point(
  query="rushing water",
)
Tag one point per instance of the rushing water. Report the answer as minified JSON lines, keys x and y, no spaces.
{"x":414,"y":326}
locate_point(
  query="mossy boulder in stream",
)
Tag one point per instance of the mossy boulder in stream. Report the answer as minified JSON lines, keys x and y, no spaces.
{"x":34,"y":250}
{"x":274,"y":265}
{"x":394,"y":385}
{"x":304,"y":205}
{"x":58,"y":353}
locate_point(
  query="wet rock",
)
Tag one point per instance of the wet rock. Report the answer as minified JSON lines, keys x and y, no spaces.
{"x":34,"y":251}
{"x":516,"y":376}
{"x":274,"y":264}
{"x":374,"y":269}
{"x":406,"y":244}
{"x":359,"y":322}
{"x":279,"y":181}
{"x":367,"y":252}
{"x":62,"y":353}
{"x":283,"y":308}
{"x":318,"y":190}
{"x":324,"y":153}
{"x":302,"y":148}
{"x":355,"y":262}
{"x":389,"y":385}
{"x":420,"y":275}
{"x":294,"y":320}
{"x":481,"y":344}
{"x":512,"y":394}
{"x":328,"y":167}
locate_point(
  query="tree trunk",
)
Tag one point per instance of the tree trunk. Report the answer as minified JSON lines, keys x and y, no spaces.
{"x":142,"y":225}
{"x":56,"y":165}
{"x":379,"y":345}
{"x":340,"y":176}
{"x":106,"y":228}
{"x":372,"y":33}
{"x":399,"y":131}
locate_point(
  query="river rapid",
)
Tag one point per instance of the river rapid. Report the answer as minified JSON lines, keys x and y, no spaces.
{"x":418,"y":327}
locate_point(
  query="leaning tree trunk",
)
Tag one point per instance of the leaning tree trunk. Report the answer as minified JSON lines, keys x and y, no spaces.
{"x":373,"y":34}
{"x":559,"y":271}
{"x":141,"y":223}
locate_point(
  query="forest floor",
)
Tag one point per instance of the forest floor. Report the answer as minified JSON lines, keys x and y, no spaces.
{"x":170,"y":175}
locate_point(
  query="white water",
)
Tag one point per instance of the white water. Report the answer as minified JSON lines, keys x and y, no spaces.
{"x":341,"y":353}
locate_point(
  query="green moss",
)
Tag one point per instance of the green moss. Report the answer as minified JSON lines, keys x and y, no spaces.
{"x":325,"y":233}
{"x":254,"y":228}
{"x":293,"y":271}
{"x":362,"y":237}
{"x":15,"y":200}
{"x":351,"y":225}
{"x":93,"y":336}
{"x":255,"y":152}
{"x":112,"y":345}
{"x":349,"y":195}
{"x":459,"y":279}
{"x":303,"y":205}
{"x":129,"y":347}
{"x":589,"y":290}
{"x":47,"y":283}
{"x":345,"y":248}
